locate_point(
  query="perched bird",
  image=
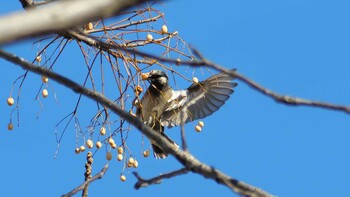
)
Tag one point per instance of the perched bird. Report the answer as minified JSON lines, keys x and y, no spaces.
{"x":161,"y":106}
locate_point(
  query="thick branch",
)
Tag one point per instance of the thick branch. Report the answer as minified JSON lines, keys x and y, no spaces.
{"x":59,"y":16}
{"x":185,"y":158}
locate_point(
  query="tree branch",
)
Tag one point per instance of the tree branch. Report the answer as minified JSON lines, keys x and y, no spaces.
{"x":289,"y":100}
{"x":82,"y":186}
{"x":57,"y":17}
{"x":156,"y":180}
{"x":186,"y":159}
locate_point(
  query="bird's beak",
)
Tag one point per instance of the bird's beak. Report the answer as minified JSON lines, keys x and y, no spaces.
{"x":144,"y":76}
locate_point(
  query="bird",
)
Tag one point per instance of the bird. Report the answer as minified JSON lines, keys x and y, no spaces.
{"x":162,"y":106}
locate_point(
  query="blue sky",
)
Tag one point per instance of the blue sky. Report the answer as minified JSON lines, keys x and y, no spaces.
{"x":294,"y":47}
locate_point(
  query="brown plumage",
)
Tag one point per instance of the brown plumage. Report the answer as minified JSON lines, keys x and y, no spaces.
{"x":161,"y":106}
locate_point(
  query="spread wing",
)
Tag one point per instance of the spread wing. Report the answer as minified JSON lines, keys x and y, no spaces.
{"x":199,"y":100}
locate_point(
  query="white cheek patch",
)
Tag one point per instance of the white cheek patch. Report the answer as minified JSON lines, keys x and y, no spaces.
{"x":163,"y":80}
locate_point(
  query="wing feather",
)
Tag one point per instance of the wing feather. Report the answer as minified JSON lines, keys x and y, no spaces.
{"x":199,"y":100}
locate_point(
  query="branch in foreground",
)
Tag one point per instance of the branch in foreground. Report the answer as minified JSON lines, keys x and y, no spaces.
{"x":186,"y":159}
{"x":156,"y":180}
{"x":82,"y":186}
{"x":59,"y":16}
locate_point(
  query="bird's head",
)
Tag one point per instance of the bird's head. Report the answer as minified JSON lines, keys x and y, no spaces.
{"x":156,"y":77}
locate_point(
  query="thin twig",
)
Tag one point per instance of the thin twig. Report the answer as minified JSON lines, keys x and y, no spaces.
{"x":82,"y":186}
{"x":158,"y":179}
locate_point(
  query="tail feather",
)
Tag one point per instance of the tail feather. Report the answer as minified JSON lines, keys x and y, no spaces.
{"x":160,"y":153}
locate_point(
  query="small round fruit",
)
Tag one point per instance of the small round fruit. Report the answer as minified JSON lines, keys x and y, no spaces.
{"x":149,"y":37}
{"x":38,"y":58}
{"x":120,"y":157}
{"x":102,"y":131}
{"x":45,"y":93}
{"x":114,"y":145}
{"x":89,"y":26}
{"x":111,"y":141}
{"x":129,"y":165}
{"x":77,"y":150}
{"x":178,"y":61}
{"x":98,"y":144}
{"x":108,"y":156}
{"x":10,"y":101}
{"x":198,"y":128}
{"x":120,"y":150}
{"x":131,"y":160}
{"x":135,"y":164}
{"x":122,"y":178}
{"x":89,"y":143}
{"x":164,"y":29}
{"x":82,"y":148}
{"x":146,"y":153}
{"x":10,"y":126}
{"x":195,"y":79}
{"x":44,"y":79}
{"x":201,"y":123}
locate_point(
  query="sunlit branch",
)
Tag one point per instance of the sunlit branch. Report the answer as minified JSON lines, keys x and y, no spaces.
{"x":57,"y":17}
{"x":186,"y":159}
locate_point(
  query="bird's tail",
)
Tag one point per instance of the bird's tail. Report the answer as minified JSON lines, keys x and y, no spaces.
{"x":160,"y":153}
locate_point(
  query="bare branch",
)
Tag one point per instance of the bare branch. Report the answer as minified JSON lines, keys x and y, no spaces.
{"x":82,"y":186}
{"x":156,"y":180}
{"x":57,"y":17}
{"x":289,"y":100}
{"x":186,"y":159}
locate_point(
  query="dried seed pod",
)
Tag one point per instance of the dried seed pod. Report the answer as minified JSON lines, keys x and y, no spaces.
{"x":120,"y":150}
{"x":108,"y":156}
{"x":135,"y":164}
{"x":198,"y":128}
{"x":131,"y":160}
{"x":122,"y":178}
{"x":146,"y":153}
{"x":38,"y":58}
{"x":120,"y":157}
{"x":149,"y":37}
{"x":98,"y":144}
{"x":102,"y":131}
{"x":111,"y":141}
{"x":89,"y":26}
{"x":201,"y":123}
{"x":82,"y":148}
{"x":178,"y":61}
{"x":114,"y":145}
{"x":10,"y":126}
{"x":195,"y":79}
{"x":44,"y":79}
{"x":89,"y":143}
{"x":10,"y":101}
{"x":164,"y":29}
{"x":45,"y":93}
{"x":77,"y":150}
